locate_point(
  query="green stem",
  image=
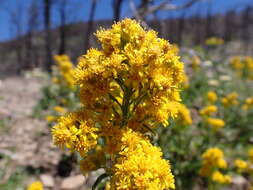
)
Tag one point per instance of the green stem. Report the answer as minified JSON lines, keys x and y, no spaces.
{"x":99,"y":179}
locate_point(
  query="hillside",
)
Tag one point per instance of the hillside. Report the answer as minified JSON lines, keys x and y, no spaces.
{"x":27,"y":51}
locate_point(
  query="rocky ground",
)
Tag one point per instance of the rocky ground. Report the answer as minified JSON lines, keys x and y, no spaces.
{"x":25,"y":141}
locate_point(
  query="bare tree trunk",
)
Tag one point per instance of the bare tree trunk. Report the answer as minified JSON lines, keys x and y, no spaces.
{"x":181,"y":26}
{"x":229,"y":26}
{"x":28,"y":51}
{"x":47,"y":23}
{"x":245,"y":32}
{"x":117,"y":9}
{"x":90,"y":25}
{"x":62,"y":47}
{"x":209,"y":18}
{"x":18,"y":48}
{"x":32,"y":25}
{"x":17,"y":30}
{"x":172,"y":30}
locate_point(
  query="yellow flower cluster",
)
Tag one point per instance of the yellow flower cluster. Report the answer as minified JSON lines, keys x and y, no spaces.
{"x":245,"y":166}
{"x":221,"y":178}
{"x":140,"y":166}
{"x":214,"y":41}
{"x":134,"y":64}
{"x":37,"y":185}
{"x":213,"y":159}
{"x":59,"y":109}
{"x":230,"y":99}
{"x":126,"y":89}
{"x":208,"y":110}
{"x":184,"y":115}
{"x":241,"y":164}
{"x":248,"y":103}
{"x":212,"y":97}
{"x":195,"y":62}
{"x":76,"y":131}
{"x":236,"y":63}
{"x":250,"y":154}
{"x":65,"y":69}
{"x":215,"y":123}
{"x":186,"y":82}
{"x":243,"y":66}
{"x":51,"y":118}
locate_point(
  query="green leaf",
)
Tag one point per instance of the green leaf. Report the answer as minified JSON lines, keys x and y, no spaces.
{"x":99,"y":179}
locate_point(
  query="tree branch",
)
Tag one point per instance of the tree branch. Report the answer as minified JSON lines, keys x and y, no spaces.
{"x":165,"y":5}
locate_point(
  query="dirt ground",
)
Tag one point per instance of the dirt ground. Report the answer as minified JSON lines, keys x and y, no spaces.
{"x":25,"y":140}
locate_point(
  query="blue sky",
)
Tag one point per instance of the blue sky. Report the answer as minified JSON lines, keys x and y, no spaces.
{"x":78,"y":10}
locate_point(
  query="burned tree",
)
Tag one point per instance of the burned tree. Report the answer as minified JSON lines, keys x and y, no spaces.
{"x":90,"y":25}
{"x":116,"y":4}
{"x":32,"y":25}
{"x":47,"y":24}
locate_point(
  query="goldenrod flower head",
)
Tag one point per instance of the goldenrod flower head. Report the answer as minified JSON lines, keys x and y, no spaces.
{"x":230,"y":99}
{"x":220,"y":178}
{"x":127,"y":88}
{"x":248,"y":103}
{"x":249,"y":62}
{"x":243,"y":66}
{"x":59,"y":109}
{"x":236,"y":62}
{"x":55,"y":80}
{"x":66,"y":71}
{"x":222,"y":163}
{"x":216,"y":123}
{"x":208,"y":110}
{"x":140,"y":166}
{"x":184,"y":115}
{"x":75,"y":131}
{"x":212,"y":97}
{"x":37,"y":185}
{"x":241,"y":164}
{"x":186,"y":83}
{"x":195,"y":62}
{"x":107,"y":186}
{"x":214,"y":41}
{"x":214,"y":157}
{"x":51,"y":118}
{"x":134,"y":65}
{"x":250,"y":154}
